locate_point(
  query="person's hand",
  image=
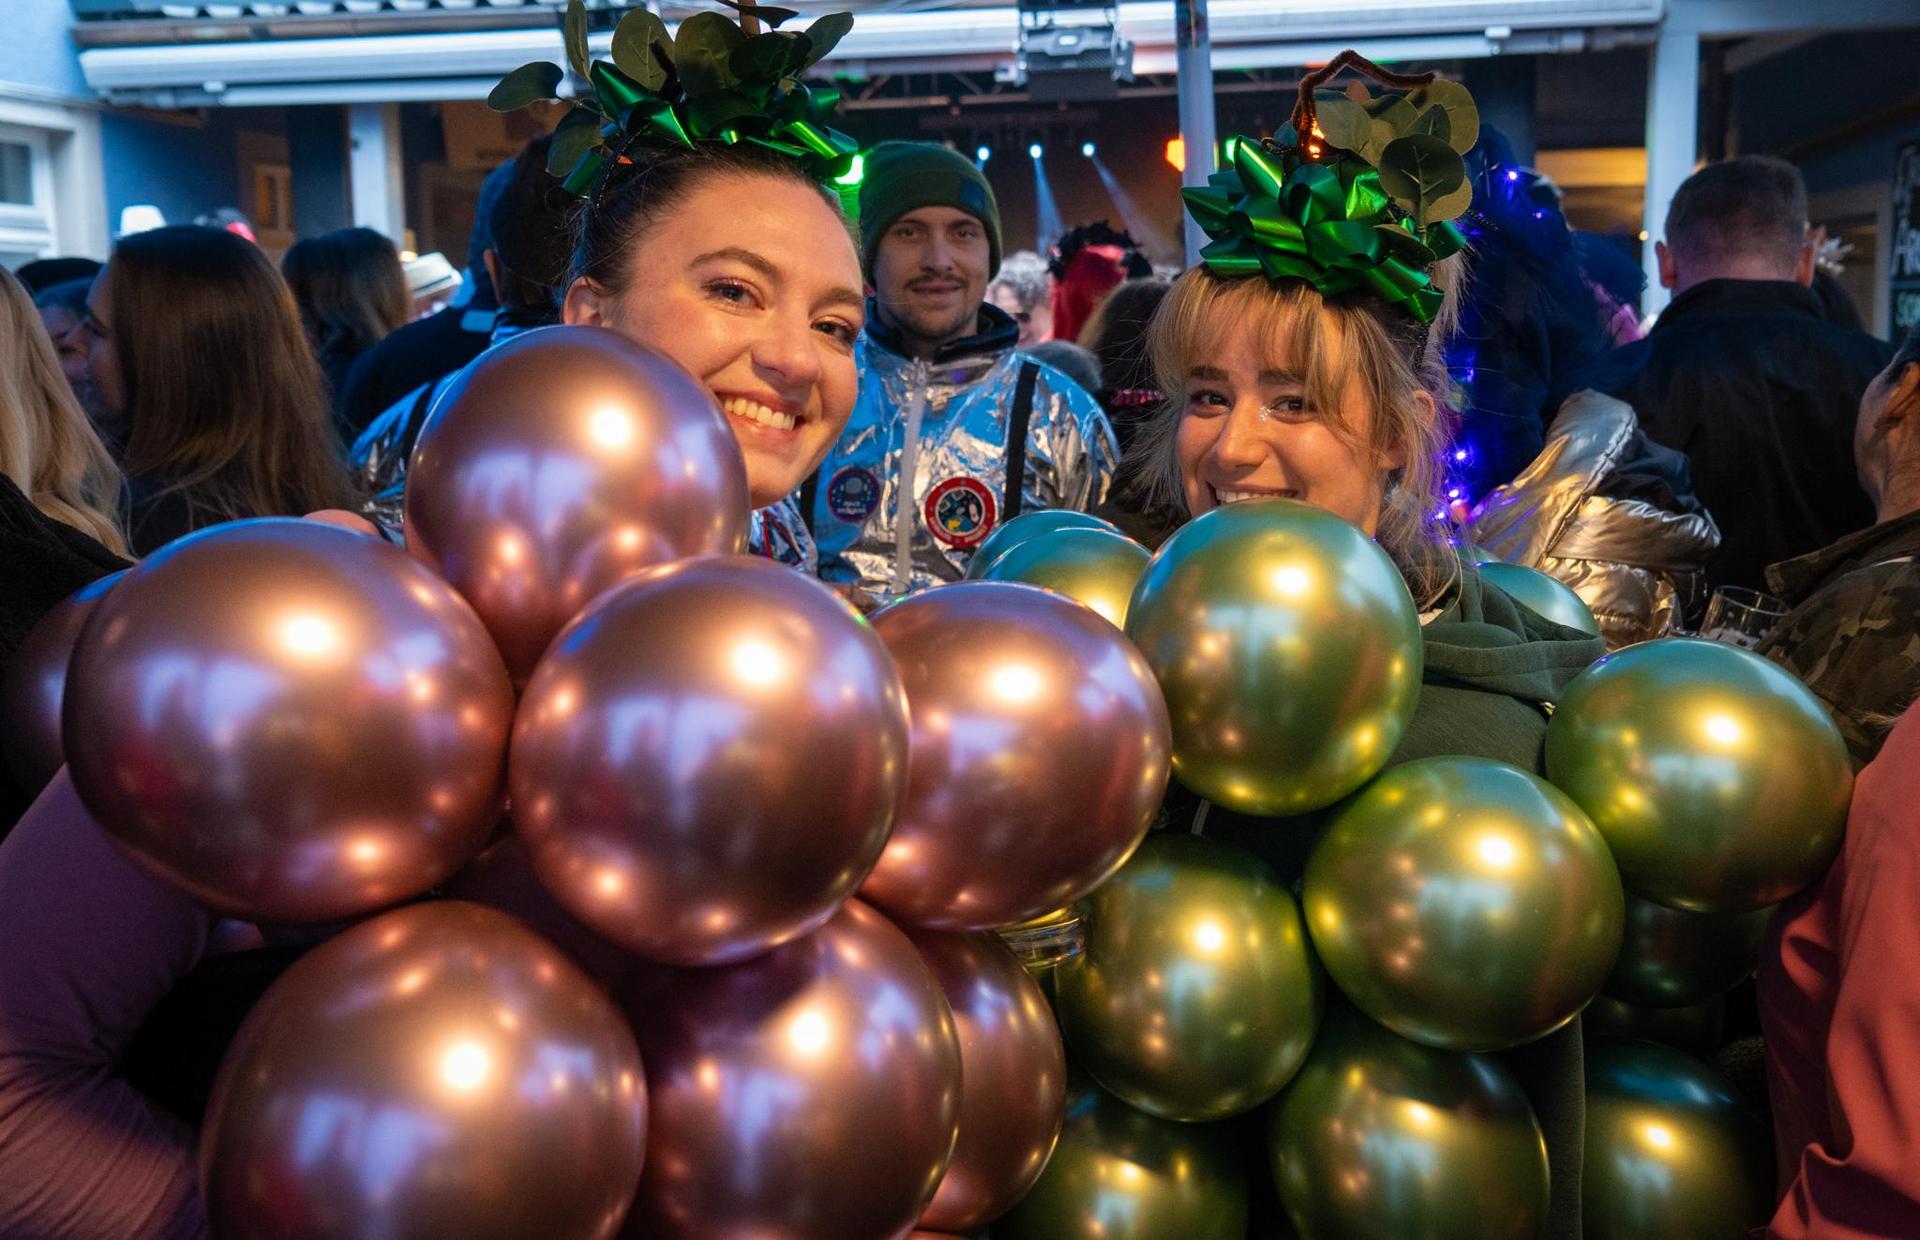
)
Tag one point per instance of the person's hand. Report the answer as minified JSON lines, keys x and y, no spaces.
{"x":345,"y":520}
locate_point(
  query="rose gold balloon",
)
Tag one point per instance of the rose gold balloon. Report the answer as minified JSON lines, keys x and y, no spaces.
{"x":562,"y":462}
{"x":1039,"y":755}
{"x":1013,"y":1077}
{"x":706,"y":762}
{"x":438,"y":1071}
{"x":36,"y":684}
{"x":809,"y":1094}
{"x":288,"y":721}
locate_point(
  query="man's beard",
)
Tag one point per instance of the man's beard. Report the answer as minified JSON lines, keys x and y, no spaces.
{"x":937,"y":328}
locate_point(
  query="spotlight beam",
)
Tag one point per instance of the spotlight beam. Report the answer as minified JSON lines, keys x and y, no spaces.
{"x":1152,"y":238}
{"x":1046,"y":209}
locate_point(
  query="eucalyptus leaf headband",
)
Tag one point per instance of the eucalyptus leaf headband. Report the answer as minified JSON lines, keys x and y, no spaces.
{"x":710,"y":82}
{"x":1357,"y":193}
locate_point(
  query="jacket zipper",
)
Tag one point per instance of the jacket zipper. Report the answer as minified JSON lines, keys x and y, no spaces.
{"x":905,"y":504}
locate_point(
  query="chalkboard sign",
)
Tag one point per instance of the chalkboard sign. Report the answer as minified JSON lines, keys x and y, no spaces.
{"x":1906,"y":238}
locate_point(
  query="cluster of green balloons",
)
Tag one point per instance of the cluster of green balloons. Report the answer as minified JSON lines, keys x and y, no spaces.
{"x":1459,"y":907}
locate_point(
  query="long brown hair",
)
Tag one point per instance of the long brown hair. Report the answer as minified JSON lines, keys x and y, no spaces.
{"x":47,"y":447}
{"x":1393,"y":358}
{"x":223,"y":397}
{"x":350,"y":287}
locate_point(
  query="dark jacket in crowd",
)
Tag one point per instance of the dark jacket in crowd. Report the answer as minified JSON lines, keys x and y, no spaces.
{"x":42,"y":561}
{"x":1854,"y":632}
{"x":1493,"y":670}
{"x":1751,"y":381}
{"x":412,"y":355}
{"x":336,"y":363}
{"x":157,"y":514}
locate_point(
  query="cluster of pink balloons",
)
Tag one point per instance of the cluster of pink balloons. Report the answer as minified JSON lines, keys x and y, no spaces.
{"x":705,"y":758}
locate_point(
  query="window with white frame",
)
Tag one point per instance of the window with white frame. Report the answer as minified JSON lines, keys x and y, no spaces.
{"x":26,"y":195}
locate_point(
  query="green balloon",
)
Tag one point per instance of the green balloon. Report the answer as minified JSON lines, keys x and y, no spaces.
{"x":1289,"y":652}
{"x":1672,"y":959}
{"x":1091,"y":566}
{"x":1464,"y":904}
{"x":1380,"y":1137}
{"x":1028,"y":525}
{"x":1694,"y":1029}
{"x":1197,"y":996}
{"x":1120,"y":1174}
{"x":1542,"y":594}
{"x":1670,"y":1150}
{"x":1717,"y":778}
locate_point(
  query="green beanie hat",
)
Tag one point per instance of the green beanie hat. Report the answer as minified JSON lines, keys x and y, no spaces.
{"x":904,"y":176}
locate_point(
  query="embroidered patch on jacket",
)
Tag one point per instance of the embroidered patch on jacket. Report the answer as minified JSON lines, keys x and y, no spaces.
{"x":853,"y":494}
{"x":960,"y":511}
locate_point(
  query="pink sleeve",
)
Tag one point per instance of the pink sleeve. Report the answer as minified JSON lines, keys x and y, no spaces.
{"x":90,"y":945}
{"x":1867,"y":1183}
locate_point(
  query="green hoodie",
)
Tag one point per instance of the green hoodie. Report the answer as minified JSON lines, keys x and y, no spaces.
{"x":1493,"y":671}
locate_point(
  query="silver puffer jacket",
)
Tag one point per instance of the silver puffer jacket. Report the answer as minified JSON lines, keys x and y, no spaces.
{"x":1636,"y":562}
{"x":942,"y":426}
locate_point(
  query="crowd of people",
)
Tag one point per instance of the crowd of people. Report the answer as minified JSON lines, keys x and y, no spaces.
{"x":900,"y":388}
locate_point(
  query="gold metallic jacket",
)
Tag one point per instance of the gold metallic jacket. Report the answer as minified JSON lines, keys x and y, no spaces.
{"x":1636,"y":564}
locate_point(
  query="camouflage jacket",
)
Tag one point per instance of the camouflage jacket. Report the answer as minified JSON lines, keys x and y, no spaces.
{"x":1853,"y":633}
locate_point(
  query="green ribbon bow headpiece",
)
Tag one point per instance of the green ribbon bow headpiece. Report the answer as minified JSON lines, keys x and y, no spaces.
{"x":710,"y":82}
{"x":1364,"y":203}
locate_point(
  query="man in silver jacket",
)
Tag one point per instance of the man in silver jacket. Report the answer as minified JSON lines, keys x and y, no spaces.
{"x":948,"y":410}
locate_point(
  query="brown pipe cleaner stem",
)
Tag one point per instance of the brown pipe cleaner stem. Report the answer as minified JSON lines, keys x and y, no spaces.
{"x":1304,"y":114}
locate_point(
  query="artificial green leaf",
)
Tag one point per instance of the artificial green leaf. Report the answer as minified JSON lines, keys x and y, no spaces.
{"x":1434,"y":123}
{"x":1418,"y":170}
{"x":1463,"y":116}
{"x":826,"y":34}
{"x":1379,"y":134}
{"x":1343,"y":121}
{"x":1358,"y":92}
{"x":1404,"y":246}
{"x":577,"y":133}
{"x":575,"y":28}
{"x":1450,"y":205}
{"x":701,"y":52}
{"x":765,"y":12}
{"x":1396,"y":113}
{"x":638,"y":45}
{"x":769,"y":57}
{"x":529,"y":83}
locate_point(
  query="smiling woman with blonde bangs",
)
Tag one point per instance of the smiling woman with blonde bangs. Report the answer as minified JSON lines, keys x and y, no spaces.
{"x":1301,"y":361}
